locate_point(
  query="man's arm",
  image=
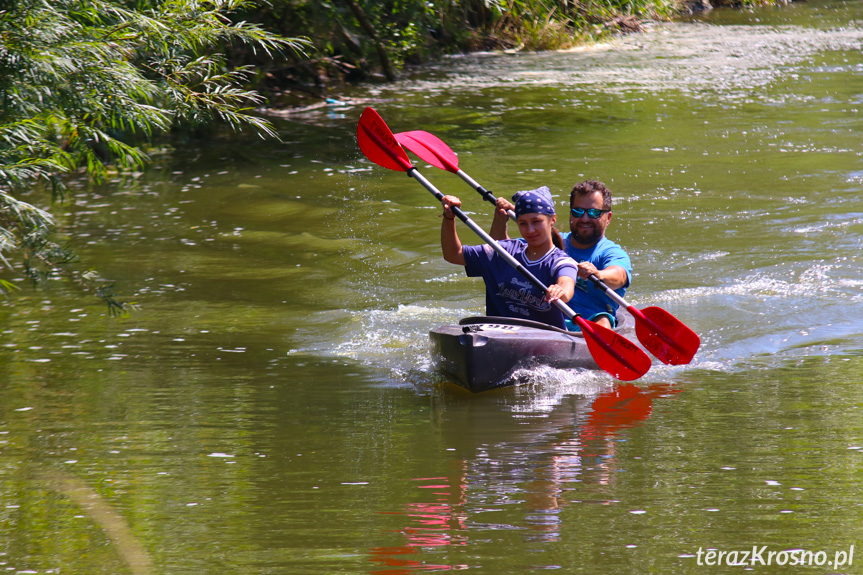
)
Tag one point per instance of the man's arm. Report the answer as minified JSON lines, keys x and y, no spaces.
{"x":498,"y":229}
{"x":614,"y":277}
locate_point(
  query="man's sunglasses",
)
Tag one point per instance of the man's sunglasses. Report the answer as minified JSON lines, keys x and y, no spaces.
{"x":593,"y":213}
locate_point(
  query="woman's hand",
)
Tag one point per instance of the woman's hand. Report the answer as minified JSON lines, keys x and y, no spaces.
{"x":554,"y":293}
{"x":562,"y":290}
{"x":449,"y":242}
{"x":448,"y":203}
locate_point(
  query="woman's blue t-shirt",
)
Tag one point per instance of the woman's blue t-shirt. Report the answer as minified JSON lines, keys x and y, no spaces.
{"x":507,"y":292}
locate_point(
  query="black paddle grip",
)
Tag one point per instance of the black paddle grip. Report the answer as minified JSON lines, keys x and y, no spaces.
{"x":486,"y":195}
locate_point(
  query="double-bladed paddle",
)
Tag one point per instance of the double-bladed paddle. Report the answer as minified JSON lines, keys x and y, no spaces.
{"x":429,"y":148}
{"x":611,"y":351}
{"x":665,"y":336}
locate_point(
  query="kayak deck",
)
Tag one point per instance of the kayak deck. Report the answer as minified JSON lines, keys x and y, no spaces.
{"x":481,"y":353}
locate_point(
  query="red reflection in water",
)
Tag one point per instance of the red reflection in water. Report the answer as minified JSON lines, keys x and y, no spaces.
{"x":585,"y":455}
{"x":433,"y":524}
{"x":624,"y":406}
{"x":402,"y":566}
{"x":589,"y":456}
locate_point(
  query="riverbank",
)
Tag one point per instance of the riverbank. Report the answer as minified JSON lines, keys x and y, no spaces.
{"x":373,"y":47}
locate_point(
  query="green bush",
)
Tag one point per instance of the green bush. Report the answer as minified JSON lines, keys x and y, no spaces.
{"x":86,"y":84}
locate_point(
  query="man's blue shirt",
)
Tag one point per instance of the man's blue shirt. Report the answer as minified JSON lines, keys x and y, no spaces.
{"x":589,"y":299}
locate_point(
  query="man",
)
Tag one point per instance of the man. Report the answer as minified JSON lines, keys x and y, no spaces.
{"x":590,"y":213}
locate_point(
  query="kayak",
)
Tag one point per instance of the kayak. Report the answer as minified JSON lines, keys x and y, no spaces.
{"x":483,"y":352}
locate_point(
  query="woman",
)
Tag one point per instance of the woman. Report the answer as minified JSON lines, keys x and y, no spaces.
{"x":507,"y":292}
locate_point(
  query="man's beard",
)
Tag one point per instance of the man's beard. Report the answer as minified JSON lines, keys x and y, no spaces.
{"x":587,"y":238}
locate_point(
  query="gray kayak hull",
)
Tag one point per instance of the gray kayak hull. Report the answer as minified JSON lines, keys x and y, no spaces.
{"x":482,"y":353}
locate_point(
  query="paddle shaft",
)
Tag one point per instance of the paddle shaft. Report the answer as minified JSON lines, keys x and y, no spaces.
{"x":568,"y":311}
{"x":613,"y":295}
{"x":486,"y":195}
{"x":489,"y":197}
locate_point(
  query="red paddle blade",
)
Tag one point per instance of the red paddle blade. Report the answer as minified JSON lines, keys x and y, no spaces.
{"x":667,"y":338}
{"x":429,"y":148}
{"x":612,"y":352}
{"x":378,"y":143}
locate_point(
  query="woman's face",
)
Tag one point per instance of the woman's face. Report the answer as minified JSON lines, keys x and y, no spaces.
{"x":536,"y":228}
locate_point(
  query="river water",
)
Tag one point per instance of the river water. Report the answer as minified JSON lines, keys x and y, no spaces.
{"x":270,"y":406}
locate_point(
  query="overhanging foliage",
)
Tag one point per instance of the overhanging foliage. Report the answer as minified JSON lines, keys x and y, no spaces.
{"x":86,"y":84}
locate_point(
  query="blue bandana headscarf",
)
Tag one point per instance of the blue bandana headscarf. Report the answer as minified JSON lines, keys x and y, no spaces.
{"x":536,"y":201}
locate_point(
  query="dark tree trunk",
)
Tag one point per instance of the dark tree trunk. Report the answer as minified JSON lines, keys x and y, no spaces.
{"x":369,"y":29}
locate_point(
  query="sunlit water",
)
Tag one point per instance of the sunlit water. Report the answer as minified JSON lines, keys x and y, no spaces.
{"x":271,"y":406}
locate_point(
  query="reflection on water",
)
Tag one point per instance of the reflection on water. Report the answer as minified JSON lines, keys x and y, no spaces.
{"x":128,"y":546}
{"x":431,"y":524}
{"x":568,"y":455}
